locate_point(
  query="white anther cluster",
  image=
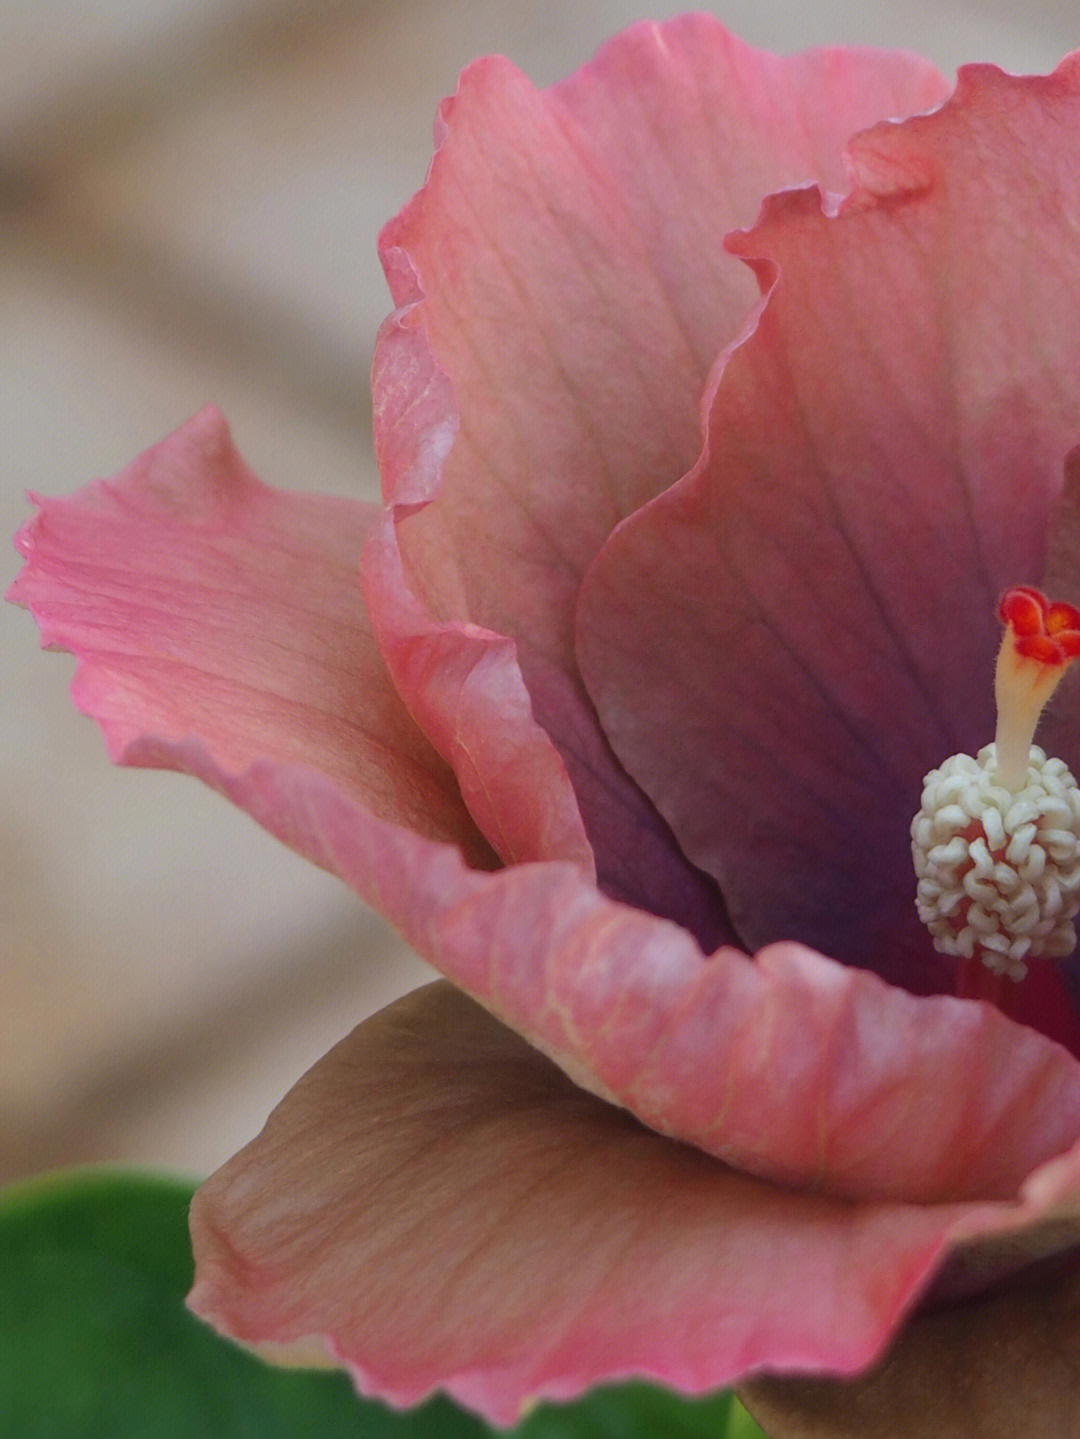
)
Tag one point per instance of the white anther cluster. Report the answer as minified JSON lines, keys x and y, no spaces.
{"x":998,"y":870}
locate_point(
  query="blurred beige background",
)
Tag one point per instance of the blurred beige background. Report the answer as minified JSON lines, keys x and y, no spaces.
{"x":190,"y":192}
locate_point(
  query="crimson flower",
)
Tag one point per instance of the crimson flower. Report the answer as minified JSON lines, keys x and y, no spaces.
{"x":709,"y":437}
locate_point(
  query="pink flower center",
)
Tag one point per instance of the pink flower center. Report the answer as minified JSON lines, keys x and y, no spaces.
{"x":996,"y":841}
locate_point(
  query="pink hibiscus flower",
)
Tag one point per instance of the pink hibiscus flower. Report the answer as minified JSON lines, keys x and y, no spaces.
{"x":697,"y":513}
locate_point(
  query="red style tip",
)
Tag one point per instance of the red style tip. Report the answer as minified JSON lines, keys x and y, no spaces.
{"x":1046,"y":631}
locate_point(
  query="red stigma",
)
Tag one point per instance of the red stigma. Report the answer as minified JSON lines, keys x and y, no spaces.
{"x":1046,"y":631}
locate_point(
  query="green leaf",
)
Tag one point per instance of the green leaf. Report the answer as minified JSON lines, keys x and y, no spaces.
{"x":641,"y":1411}
{"x":95,"y":1343}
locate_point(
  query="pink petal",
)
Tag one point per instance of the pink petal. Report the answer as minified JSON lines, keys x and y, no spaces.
{"x":792,"y":1067}
{"x":696,"y":128}
{"x":203,"y":606}
{"x":783,"y":645}
{"x":562,"y":290}
{"x":1007,"y":1366}
{"x":201,"y":602}
{"x":435,"y":1206}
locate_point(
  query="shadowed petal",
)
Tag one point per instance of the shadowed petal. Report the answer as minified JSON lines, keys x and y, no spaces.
{"x":562,"y":290}
{"x":508,"y":770}
{"x":782,"y":646}
{"x":200,"y":602}
{"x":434,"y":1205}
{"x":1007,"y":1366}
{"x":792,"y":1066}
{"x":209,"y":618}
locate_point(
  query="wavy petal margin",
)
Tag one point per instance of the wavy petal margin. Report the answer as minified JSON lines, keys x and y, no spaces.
{"x":781,"y":646}
{"x":219,"y":633}
{"x":562,"y":291}
{"x":435,"y":1206}
{"x":199,"y":601}
{"x":1007,"y":1366}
